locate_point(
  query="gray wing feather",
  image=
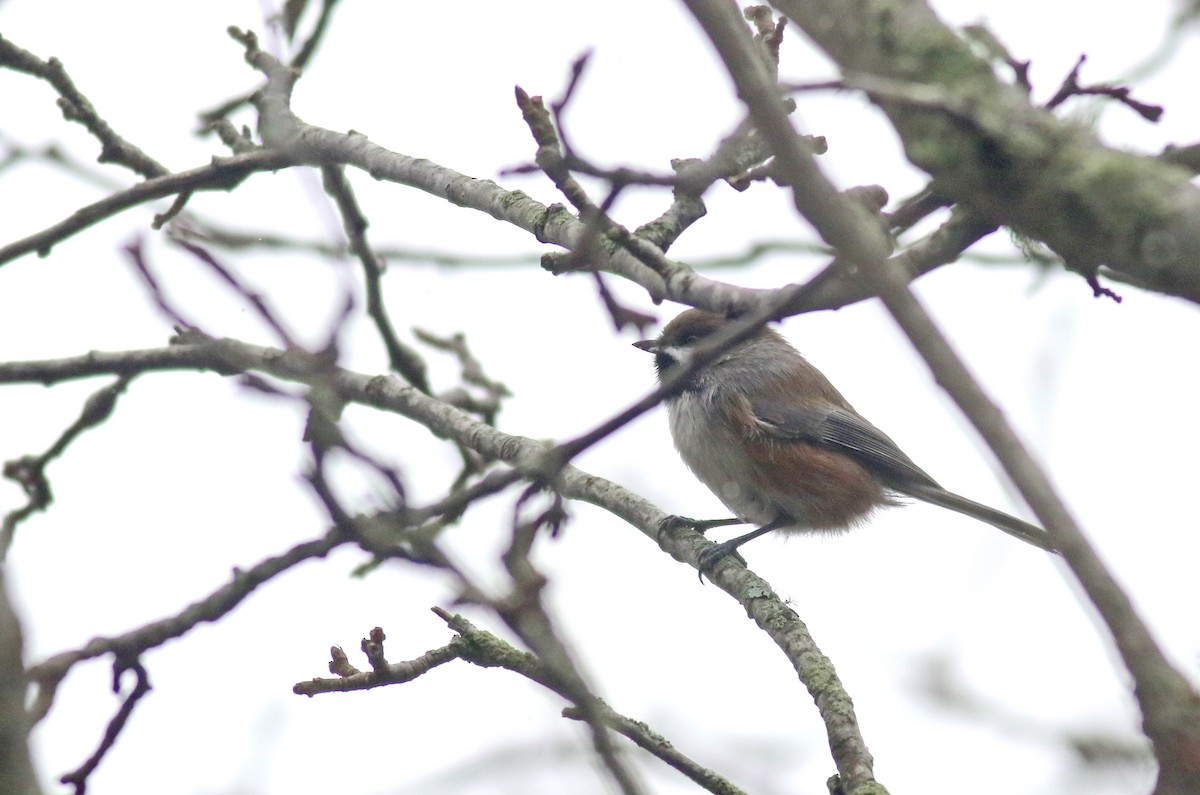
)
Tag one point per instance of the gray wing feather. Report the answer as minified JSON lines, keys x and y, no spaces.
{"x":844,"y":431}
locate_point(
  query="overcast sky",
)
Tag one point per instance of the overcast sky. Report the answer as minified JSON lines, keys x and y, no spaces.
{"x":194,"y":476}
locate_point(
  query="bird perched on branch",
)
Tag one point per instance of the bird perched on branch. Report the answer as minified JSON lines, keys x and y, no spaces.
{"x":768,"y":434}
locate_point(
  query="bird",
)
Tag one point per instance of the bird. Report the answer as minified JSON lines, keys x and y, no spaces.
{"x":777,"y":443}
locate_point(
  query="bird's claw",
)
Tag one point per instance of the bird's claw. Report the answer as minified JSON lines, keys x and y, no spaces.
{"x":713,"y":554}
{"x":701,"y":526}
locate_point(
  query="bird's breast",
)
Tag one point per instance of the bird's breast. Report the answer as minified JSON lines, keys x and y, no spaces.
{"x":710,"y":441}
{"x":763,"y":479}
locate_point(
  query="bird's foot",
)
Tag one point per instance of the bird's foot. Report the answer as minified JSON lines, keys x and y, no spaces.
{"x":702,"y":526}
{"x":713,"y":554}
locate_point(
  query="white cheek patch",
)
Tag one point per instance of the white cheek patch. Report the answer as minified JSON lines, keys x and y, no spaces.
{"x":677,"y":354}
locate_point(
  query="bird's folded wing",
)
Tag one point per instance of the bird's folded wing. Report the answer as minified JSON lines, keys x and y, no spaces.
{"x":844,"y":431}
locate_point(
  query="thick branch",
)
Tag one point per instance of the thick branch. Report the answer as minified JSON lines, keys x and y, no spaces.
{"x":16,"y":769}
{"x":985,"y":145}
{"x":1170,"y":707}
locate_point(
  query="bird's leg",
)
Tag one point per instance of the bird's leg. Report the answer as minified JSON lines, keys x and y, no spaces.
{"x":672,"y":523}
{"x":712,"y":555}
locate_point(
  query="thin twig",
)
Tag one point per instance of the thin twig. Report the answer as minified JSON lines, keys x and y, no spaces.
{"x":299,"y":61}
{"x":30,"y":471}
{"x":78,"y":108}
{"x":78,"y":777}
{"x":403,"y":359}
{"x":222,"y":174}
{"x":49,"y":674}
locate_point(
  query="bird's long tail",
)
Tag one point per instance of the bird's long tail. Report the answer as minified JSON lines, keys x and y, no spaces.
{"x":1025,"y":531}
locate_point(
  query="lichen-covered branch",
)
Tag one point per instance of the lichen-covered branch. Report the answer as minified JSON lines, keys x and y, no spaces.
{"x":986,"y":145}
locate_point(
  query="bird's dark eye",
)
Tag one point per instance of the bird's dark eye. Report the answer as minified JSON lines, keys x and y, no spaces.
{"x":691,"y":336}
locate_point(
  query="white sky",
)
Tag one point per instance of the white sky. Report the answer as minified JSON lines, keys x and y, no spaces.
{"x":192,"y":477}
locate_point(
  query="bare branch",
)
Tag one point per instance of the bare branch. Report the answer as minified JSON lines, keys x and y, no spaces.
{"x":1170,"y":707}
{"x":257,"y":301}
{"x":78,"y":778}
{"x":298,"y":62}
{"x":1071,"y":87}
{"x":223,"y":174}
{"x":403,"y":359}
{"x":48,"y":674}
{"x":485,"y":649}
{"x":654,"y":743}
{"x":76,"y":107}
{"x":381,"y":674}
{"x":30,"y":471}
{"x":472,"y":374}
{"x":16,"y":768}
{"x":1011,"y":161}
{"x":226,"y":356}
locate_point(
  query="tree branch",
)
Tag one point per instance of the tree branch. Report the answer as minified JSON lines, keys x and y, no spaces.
{"x":77,"y":107}
{"x":47,"y":675}
{"x":232,"y":357}
{"x":223,"y":174}
{"x":986,"y":146}
{"x":1170,"y":707}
